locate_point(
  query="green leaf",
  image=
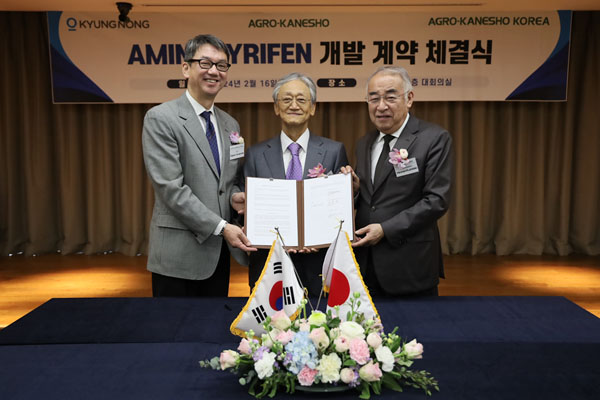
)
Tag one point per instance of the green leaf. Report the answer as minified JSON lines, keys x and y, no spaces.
{"x":376,"y":387}
{"x":390,"y":383}
{"x":273,"y":389}
{"x":365,"y":392}
{"x":251,"y":387}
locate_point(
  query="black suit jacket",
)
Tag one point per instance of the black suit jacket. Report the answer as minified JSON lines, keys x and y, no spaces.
{"x":408,"y":259}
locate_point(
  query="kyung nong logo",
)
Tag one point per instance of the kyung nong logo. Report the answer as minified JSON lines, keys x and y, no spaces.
{"x":74,"y":24}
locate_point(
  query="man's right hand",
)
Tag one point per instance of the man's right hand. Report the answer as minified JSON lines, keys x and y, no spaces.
{"x":235,"y":237}
{"x":355,"y":179}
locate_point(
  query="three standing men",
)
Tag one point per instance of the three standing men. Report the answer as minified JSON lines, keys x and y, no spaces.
{"x":187,"y":155}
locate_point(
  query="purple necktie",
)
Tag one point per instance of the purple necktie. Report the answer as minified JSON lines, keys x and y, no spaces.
{"x":294,"y":170}
{"x":212,"y":139}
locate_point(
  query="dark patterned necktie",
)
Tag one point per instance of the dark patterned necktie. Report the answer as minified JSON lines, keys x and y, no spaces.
{"x":383,"y":159}
{"x":212,"y":139}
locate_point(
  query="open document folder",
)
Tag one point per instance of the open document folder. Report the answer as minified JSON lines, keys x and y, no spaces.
{"x":307,"y":213}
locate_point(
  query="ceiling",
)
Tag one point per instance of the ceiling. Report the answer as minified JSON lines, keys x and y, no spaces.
{"x":300,"y":5}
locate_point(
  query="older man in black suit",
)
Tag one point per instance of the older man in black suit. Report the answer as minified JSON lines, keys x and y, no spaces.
{"x":404,"y":172}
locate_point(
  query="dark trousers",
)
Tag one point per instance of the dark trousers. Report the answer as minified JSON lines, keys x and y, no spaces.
{"x":217,"y":285}
{"x":375,"y":289}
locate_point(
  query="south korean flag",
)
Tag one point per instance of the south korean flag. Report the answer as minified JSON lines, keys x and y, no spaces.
{"x":277,"y":289}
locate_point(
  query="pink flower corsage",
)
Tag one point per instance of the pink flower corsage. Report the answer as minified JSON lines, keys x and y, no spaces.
{"x":317,"y":171}
{"x":235,"y":138}
{"x":399,"y":157}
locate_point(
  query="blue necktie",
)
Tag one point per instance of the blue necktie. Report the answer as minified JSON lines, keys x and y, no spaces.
{"x":212,"y":139}
{"x":294,"y":170}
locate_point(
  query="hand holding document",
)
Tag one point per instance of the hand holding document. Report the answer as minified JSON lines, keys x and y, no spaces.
{"x":307,"y":213}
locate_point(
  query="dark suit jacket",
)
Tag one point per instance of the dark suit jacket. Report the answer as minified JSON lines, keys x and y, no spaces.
{"x":265,"y":160}
{"x":408,"y":259}
{"x":190,"y":197}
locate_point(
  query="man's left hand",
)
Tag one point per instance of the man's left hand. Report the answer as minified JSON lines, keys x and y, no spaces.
{"x":373,"y":233}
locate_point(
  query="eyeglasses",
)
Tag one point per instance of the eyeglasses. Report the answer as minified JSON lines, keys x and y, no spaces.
{"x":287,"y":101}
{"x":388,"y":99}
{"x":207,"y":64}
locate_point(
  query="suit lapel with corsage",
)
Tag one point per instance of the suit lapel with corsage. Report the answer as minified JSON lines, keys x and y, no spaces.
{"x":407,"y":137}
{"x":315,"y":154}
{"x":194,"y":128}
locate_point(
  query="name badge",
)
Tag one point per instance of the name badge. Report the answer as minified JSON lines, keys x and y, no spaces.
{"x":236,"y":151}
{"x":407,"y":167}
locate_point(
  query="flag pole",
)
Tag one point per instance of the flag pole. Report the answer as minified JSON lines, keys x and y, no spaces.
{"x":295,"y":272}
{"x":330,"y":262}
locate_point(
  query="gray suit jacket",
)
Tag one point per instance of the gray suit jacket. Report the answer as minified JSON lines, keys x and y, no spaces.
{"x":190,"y":197}
{"x":408,"y":259}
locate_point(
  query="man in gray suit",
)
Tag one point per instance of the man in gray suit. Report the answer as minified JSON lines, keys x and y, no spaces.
{"x":404,"y":172}
{"x":290,"y":155}
{"x":187,"y":154}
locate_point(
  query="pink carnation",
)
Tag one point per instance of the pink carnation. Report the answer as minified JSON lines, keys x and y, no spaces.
{"x":317,"y":171}
{"x":359,"y":351}
{"x":306,"y":376}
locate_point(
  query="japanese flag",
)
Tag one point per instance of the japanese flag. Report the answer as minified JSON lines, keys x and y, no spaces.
{"x":342,"y":278}
{"x":277,"y":289}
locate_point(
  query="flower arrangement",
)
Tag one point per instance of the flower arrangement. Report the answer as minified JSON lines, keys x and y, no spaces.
{"x":317,"y":171}
{"x":322,"y":351}
{"x":399,"y":157}
{"x":235,"y":138}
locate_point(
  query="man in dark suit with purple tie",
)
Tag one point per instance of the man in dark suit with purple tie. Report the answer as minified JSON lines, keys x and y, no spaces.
{"x":405,"y":170}
{"x":289,"y":155}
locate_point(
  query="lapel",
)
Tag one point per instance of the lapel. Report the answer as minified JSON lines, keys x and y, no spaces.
{"x":367,"y":157}
{"x":407,"y":137}
{"x":315,"y":154}
{"x":194,"y":128}
{"x":225,"y":130}
{"x":274,"y":157}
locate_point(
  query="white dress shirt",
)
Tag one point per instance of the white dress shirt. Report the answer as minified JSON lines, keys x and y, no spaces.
{"x":287,"y":154}
{"x":378,"y":145}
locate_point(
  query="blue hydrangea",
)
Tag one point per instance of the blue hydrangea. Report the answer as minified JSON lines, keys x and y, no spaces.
{"x":301,"y":351}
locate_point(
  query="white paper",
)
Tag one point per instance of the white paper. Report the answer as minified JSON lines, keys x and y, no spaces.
{"x":271,"y":203}
{"x":327,"y":201}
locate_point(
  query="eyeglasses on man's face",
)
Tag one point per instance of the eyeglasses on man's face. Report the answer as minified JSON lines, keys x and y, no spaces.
{"x":288,"y":100}
{"x":388,"y":99}
{"x":207,"y":64}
